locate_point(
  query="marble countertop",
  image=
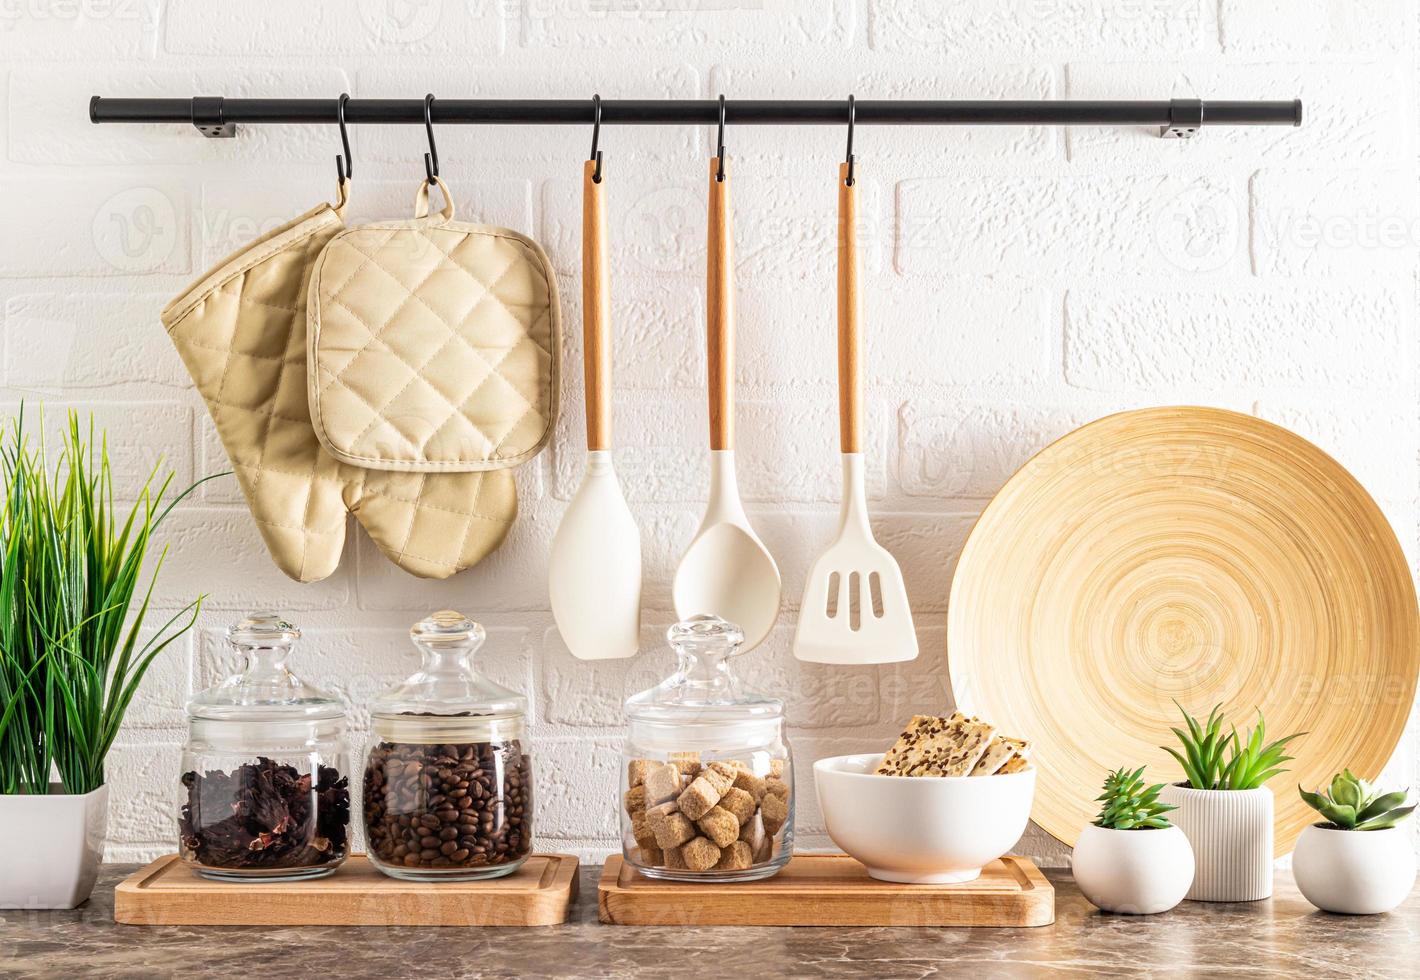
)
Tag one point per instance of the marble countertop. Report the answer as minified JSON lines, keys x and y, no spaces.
{"x":1280,"y":937}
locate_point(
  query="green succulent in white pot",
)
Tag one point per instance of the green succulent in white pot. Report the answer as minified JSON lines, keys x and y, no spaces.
{"x":1358,"y":859}
{"x":1224,"y":807}
{"x":75,"y":642}
{"x":1131,"y":858}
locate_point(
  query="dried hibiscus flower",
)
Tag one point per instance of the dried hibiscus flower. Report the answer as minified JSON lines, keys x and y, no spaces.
{"x":264,"y":815}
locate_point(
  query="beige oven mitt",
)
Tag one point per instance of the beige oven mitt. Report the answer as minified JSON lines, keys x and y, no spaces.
{"x":434,"y":345}
{"x":241,"y":331}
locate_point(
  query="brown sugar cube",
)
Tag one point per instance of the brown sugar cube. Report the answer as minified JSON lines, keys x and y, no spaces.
{"x":777,"y":787}
{"x":652,"y":856}
{"x":635,"y":799}
{"x":657,"y":816}
{"x":736,"y":857}
{"x":776,"y":768}
{"x":670,"y":828}
{"x":662,"y":783}
{"x":687,"y":762}
{"x":700,"y":854}
{"x":720,"y":825}
{"x":673,"y":858}
{"x":720,"y":774}
{"x":698,"y":798}
{"x":641,"y":830}
{"x":636,"y":771}
{"x":774,"y":810}
{"x":751,"y":784}
{"x":738,"y":802}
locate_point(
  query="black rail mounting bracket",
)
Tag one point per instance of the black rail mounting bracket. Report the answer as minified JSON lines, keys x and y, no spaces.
{"x":208,"y":117}
{"x":1185,"y":119}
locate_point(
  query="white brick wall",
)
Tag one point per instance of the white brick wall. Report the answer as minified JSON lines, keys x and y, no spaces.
{"x":1017,"y":283}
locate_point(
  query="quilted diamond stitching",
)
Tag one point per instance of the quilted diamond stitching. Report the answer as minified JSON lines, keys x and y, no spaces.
{"x":515,"y":255}
{"x":227,"y":323}
{"x":455,"y":333}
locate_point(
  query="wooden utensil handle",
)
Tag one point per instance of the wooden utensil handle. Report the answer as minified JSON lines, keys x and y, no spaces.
{"x":596,"y":313}
{"x":720,"y":312}
{"x":849,"y":389}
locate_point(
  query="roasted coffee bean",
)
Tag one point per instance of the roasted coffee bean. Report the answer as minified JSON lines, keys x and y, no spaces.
{"x":448,"y":806}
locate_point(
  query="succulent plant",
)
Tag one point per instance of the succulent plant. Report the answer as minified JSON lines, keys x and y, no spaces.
{"x":1351,"y":803}
{"x":1213,"y":760}
{"x":1130,"y":805}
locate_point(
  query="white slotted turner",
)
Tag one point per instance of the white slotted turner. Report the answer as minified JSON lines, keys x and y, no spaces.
{"x":855,"y":608}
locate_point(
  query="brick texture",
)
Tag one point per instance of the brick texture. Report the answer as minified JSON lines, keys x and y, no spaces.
{"x":1017,"y":282}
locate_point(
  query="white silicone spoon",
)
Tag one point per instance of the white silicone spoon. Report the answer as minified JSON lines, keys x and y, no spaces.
{"x":594,"y":576}
{"x":726,"y":571}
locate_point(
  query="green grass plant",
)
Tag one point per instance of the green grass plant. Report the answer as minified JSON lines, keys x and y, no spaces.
{"x":74,"y":606}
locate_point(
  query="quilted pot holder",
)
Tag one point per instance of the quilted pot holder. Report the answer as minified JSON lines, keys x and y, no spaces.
{"x":434,"y":345}
{"x":241,"y":332}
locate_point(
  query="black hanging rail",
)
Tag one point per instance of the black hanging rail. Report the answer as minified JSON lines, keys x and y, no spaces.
{"x":217,"y":116}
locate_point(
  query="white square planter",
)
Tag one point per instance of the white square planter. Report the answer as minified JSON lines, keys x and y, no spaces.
{"x":55,"y":845}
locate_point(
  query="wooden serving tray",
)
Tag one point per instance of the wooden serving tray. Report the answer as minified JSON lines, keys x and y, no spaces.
{"x":167,"y":892}
{"x":828,"y":890}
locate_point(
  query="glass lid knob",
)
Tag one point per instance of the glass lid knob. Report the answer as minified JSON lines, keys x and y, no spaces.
{"x":263,"y":629}
{"x":447,"y":628}
{"x":705,"y":636}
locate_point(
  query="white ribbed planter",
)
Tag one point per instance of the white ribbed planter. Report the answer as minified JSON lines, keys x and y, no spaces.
{"x":1231,"y":834}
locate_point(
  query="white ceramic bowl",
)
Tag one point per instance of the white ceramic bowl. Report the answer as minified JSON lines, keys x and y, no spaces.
{"x":921,"y":829}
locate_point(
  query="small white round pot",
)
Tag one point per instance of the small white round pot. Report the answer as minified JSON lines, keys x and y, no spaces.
{"x":1231,"y":833}
{"x":1355,"y":872}
{"x":1135,"y":872}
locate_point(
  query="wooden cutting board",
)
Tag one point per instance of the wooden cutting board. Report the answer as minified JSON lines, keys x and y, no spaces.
{"x":167,"y":893}
{"x":829,"y":890}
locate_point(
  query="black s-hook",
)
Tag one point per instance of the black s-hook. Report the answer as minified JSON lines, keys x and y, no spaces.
{"x":431,"y":159}
{"x":852,"y":116}
{"x":596,"y":137}
{"x":720,"y":144}
{"x":344,"y":165}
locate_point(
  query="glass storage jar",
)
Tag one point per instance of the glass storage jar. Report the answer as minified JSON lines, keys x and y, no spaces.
{"x":708,"y":778}
{"x":265,"y":792}
{"x":448,"y":778}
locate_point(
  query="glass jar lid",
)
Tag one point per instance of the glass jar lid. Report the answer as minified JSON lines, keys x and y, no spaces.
{"x":266,"y":690}
{"x":446,"y":682}
{"x":704,"y":690}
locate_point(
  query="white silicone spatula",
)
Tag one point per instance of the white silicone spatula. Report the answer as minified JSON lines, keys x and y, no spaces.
{"x":726,"y":571}
{"x":855,"y":608}
{"x":594,"y":576}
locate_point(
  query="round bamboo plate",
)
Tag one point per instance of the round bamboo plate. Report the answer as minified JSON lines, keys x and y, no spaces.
{"x":1192,"y":554}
